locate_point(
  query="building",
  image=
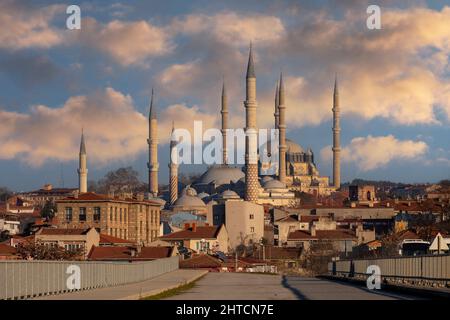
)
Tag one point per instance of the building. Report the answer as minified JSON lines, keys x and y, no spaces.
{"x":47,"y":193}
{"x":440,"y":244}
{"x":130,"y":218}
{"x":342,"y":241}
{"x":244,"y":220}
{"x":69,"y":239}
{"x":200,"y":239}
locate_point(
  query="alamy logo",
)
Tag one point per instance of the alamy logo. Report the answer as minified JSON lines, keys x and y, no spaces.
{"x":374,"y":280}
{"x":374,"y":19}
{"x":73,"y":22}
{"x":74,"y":280}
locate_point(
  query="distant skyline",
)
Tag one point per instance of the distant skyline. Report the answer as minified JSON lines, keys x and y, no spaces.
{"x":394,"y":83}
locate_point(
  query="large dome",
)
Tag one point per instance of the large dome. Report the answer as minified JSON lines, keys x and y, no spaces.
{"x":221,"y":175}
{"x":293,"y":147}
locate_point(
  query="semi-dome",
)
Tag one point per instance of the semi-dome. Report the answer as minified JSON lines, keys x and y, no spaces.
{"x":229,"y":194}
{"x":186,"y":201}
{"x":221,"y":175}
{"x":293,"y":147}
{"x":274,"y":184}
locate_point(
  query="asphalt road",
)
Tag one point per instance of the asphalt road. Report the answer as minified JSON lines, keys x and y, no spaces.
{"x":245,"y":286}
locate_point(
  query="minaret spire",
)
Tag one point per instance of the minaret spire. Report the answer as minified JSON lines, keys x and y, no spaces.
{"x":251,"y":148}
{"x":153,"y":165}
{"x":82,"y":168}
{"x":173,"y":168}
{"x":336,"y":137}
{"x":282,"y":132}
{"x":224,"y":112}
{"x":277,"y":103}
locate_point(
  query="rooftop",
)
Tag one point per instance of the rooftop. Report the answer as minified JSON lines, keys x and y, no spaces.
{"x":198,"y":232}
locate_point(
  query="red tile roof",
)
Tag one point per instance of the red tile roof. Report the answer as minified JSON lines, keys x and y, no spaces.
{"x":309,"y":219}
{"x":92,"y":196}
{"x":6,"y":250}
{"x":124,"y":253}
{"x":201,"y":261}
{"x":55,"y":231}
{"x":322,"y":235}
{"x":107,"y":239}
{"x":201,"y":232}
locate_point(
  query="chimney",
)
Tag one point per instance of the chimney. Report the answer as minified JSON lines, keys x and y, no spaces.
{"x":140,"y":196}
{"x":353,"y":204}
{"x":138,"y":249}
{"x":7,"y":206}
{"x":133,"y":252}
{"x":194,"y":227}
{"x":186,"y":226}
{"x":388,"y":204}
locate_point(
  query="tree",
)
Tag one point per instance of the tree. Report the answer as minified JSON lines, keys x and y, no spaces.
{"x":48,"y":210}
{"x":38,"y":251}
{"x":122,"y":179}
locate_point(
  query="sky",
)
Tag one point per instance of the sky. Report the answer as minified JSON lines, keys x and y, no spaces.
{"x":394,"y":83}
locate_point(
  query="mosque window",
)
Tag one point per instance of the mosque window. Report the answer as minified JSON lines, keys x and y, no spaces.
{"x":252,"y":216}
{"x":252,"y":229}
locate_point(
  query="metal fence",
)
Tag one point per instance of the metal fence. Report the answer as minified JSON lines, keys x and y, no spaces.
{"x":435,"y":268}
{"x":25,"y":279}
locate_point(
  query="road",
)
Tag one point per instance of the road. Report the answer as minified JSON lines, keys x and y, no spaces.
{"x":244,"y":286}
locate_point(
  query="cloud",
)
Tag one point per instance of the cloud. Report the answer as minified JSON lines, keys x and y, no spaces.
{"x":369,"y":153}
{"x":127,"y":43}
{"x":232,"y":28}
{"x":380,"y":74}
{"x":113,"y":127}
{"x":23,"y":26}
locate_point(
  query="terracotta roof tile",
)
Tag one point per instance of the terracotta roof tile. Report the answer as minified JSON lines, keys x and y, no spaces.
{"x":107,"y":239}
{"x":201,"y":232}
{"x":6,"y":250}
{"x":54,"y":231}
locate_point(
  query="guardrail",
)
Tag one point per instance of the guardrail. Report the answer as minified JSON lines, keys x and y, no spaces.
{"x":26,"y":279}
{"x":433,"y":268}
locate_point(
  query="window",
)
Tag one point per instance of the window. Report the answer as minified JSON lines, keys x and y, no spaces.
{"x":115,"y":214}
{"x":252,"y":229}
{"x":120,"y":215}
{"x":68,"y":213}
{"x":97,"y":214}
{"x":82,"y":216}
{"x":125,"y":215}
{"x":111,"y":214}
{"x":252,"y":216}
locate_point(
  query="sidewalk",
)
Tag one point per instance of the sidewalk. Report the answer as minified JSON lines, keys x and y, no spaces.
{"x":133,"y":291}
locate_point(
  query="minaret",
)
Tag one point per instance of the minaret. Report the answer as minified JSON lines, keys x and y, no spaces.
{"x":173,"y":168}
{"x":277,"y":112}
{"x":152,"y":141}
{"x":224,"y":112}
{"x":82,"y":170}
{"x":282,"y":133}
{"x":251,"y":152}
{"x":336,"y":138}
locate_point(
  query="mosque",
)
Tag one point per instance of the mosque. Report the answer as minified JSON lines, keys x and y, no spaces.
{"x":296,"y":171}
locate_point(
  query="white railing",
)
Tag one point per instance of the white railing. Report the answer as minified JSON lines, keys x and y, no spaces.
{"x":25,"y":279}
{"x":436,"y":267}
